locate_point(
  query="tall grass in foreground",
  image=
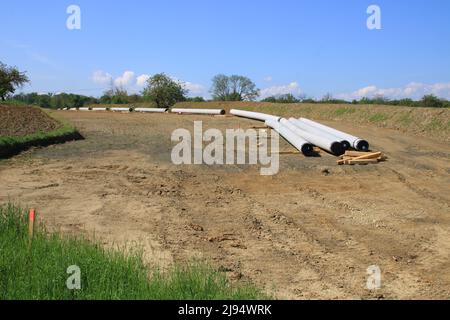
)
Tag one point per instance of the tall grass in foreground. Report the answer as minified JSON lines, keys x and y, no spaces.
{"x":39,"y":271}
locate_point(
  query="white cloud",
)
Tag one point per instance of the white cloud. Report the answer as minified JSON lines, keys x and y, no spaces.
{"x":125,"y":80}
{"x":413,"y":90}
{"x":141,"y":81}
{"x":194,"y":88}
{"x":293,"y":88}
{"x":101,"y":77}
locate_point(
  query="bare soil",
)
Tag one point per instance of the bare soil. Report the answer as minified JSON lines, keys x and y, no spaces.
{"x":309,"y":232}
{"x":18,"y":121}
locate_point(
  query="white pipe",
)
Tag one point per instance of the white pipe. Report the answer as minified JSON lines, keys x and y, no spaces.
{"x":99,"y":109}
{"x":330,"y":145}
{"x":121,"y":109}
{"x":306,"y":127}
{"x":254,"y":115}
{"x":356,"y":142}
{"x":154,"y":110}
{"x":83,"y":109}
{"x":72,"y":109}
{"x":200,"y":111}
{"x":298,"y":142}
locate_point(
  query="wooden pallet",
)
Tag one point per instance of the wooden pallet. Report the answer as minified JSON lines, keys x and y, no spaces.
{"x":362,"y":158}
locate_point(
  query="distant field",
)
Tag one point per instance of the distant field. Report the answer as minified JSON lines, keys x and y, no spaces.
{"x":421,"y":121}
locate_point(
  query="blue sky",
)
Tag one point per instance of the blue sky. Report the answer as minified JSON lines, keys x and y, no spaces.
{"x":309,"y":47}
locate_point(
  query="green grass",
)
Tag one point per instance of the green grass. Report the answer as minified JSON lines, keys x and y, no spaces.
{"x":406,"y":119}
{"x":343,"y":111}
{"x":13,"y":103}
{"x":437,"y":124}
{"x":39,"y":271}
{"x":378,"y":117}
{"x":10,"y":142}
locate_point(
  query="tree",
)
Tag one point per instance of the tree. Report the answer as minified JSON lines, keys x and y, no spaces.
{"x":233,"y":88}
{"x":283,"y":98}
{"x":115,"y":95}
{"x":380,"y":99}
{"x":164,"y":91}
{"x":10,"y":79}
{"x":431,"y":101}
{"x":195,"y":99}
{"x":327,"y":97}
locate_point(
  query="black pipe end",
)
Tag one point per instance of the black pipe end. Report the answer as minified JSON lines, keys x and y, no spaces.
{"x":362,"y":145}
{"x":337,"y":148}
{"x":308,"y":149}
{"x":222,"y":112}
{"x":346,"y":144}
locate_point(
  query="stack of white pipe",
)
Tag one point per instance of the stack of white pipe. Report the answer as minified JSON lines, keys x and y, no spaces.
{"x":316,"y":131}
{"x":200,"y":111}
{"x":298,"y":142}
{"x":327,"y":143}
{"x":151,"y":110}
{"x":254,"y":115}
{"x":355,"y":142}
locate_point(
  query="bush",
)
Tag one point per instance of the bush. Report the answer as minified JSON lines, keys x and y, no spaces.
{"x":195,"y":99}
{"x":284,"y":98}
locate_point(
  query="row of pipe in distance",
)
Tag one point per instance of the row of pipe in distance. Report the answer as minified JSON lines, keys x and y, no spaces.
{"x":304,"y":134}
{"x":153,"y":110}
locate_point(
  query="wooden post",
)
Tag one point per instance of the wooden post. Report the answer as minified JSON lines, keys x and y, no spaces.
{"x":31,"y":218}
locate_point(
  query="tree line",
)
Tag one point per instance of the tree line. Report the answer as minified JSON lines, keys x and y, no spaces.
{"x":164,"y":91}
{"x":427,"y":101}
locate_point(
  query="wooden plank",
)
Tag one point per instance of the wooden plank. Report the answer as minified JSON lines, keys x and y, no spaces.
{"x":353,"y":161}
{"x":355,"y":153}
{"x":372,"y":155}
{"x":287,"y":152}
{"x":363,"y":161}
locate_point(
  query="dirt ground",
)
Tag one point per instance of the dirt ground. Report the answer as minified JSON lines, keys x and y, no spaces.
{"x":310,"y":232}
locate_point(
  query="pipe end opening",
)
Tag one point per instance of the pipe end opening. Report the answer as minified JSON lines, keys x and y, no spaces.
{"x":337,"y":149}
{"x":346,"y":145}
{"x":307,"y":149}
{"x":362,"y":145}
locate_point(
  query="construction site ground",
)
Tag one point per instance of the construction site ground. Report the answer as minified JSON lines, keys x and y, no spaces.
{"x":309,"y":232}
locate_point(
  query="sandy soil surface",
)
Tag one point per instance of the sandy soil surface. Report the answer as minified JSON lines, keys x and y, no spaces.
{"x":309,"y":232}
